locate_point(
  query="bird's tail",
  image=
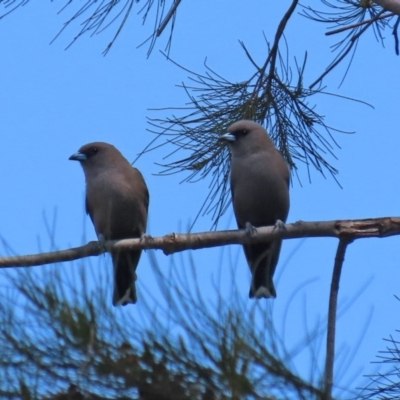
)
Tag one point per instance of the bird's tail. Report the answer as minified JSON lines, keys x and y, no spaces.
{"x":263,"y":262}
{"x":265,"y":290}
{"x":124,"y":265}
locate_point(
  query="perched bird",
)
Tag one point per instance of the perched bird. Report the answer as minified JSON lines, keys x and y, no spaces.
{"x":260,"y":197}
{"x":117,"y":201}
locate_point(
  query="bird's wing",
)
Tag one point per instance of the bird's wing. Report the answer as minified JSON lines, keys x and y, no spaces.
{"x":88,"y":210}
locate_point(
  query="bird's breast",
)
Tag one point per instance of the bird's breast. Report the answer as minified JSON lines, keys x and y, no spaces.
{"x":116,"y":209}
{"x":259,"y":196}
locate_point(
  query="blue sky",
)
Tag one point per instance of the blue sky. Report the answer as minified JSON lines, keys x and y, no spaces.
{"x":53,"y":101}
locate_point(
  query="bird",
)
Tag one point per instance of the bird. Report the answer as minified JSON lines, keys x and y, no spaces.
{"x":117,"y":201}
{"x":259,"y":180}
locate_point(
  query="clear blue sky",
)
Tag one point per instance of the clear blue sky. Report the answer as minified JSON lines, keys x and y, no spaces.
{"x":52,"y":101}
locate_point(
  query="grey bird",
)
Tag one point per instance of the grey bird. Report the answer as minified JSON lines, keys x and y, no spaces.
{"x":260,"y":196}
{"x":117,"y":201}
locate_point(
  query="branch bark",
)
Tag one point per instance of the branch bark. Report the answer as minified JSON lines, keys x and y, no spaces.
{"x":176,"y":242}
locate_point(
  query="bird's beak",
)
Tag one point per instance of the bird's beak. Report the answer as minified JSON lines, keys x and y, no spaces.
{"x":78,"y":157}
{"x":228,"y":137}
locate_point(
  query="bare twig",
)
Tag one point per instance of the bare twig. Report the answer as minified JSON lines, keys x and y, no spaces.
{"x":273,"y":53}
{"x":331,"y":329}
{"x":168,"y":17}
{"x":356,"y":24}
{"x":175,"y":242}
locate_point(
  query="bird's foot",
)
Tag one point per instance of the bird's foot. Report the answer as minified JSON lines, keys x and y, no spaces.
{"x":146,"y":239}
{"x":280,"y":225}
{"x":102,"y":243}
{"x":250,"y":229}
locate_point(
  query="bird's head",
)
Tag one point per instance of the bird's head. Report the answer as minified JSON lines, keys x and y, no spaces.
{"x":245,"y":137}
{"x":93,"y":156}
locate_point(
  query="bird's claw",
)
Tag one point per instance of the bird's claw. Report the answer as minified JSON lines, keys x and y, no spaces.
{"x":280,"y":225}
{"x":146,"y":238}
{"x":250,"y":229}
{"x":102,"y":242}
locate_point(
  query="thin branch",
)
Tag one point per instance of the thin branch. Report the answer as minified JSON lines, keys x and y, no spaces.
{"x":272,"y":56}
{"x":331,"y":329}
{"x":356,"y":24}
{"x":167,"y":18}
{"x":176,"y":242}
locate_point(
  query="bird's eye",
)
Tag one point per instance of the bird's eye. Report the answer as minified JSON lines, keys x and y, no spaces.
{"x":241,"y":132}
{"x":92,"y":151}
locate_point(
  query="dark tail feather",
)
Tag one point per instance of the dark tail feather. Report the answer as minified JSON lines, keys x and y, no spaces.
{"x":262,"y":284}
{"x":262,"y":259}
{"x":124,"y":265}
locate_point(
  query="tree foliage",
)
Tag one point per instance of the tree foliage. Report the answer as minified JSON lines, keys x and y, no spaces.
{"x":64,"y":339}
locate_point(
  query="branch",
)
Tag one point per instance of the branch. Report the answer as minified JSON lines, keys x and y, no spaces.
{"x":359,"y":23}
{"x":175,"y":242}
{"x":167,"y":18}
{"x":331,"y":329}
{"x":273,"y":54}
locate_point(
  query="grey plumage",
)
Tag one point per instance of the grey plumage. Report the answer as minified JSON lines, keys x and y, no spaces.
{"x":260,"y":196}
{"x":117,"y":201}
